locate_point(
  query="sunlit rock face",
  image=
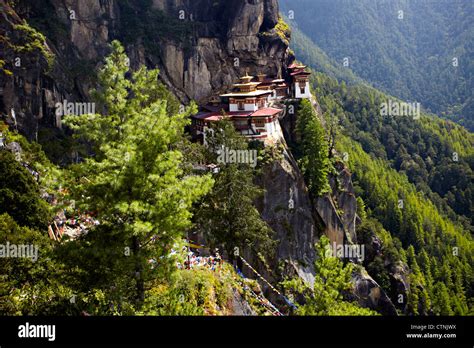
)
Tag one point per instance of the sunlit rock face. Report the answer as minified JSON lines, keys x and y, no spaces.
{"x":222,"y":40}
{"x":227,"y":40}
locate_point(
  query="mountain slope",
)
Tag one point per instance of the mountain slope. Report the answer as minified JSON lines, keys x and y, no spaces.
{"x":408,"y":54}
{"x":315,"y":57}
{"x":405,"y":172}
{"x":415,"y":177}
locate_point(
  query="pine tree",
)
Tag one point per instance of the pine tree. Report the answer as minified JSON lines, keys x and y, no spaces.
{"x":413,"y":295}
{"x":411,"y":256}
{"x":425,"y":263}
{"x":313,"y":149}
{"x":442,"y":302}
{"x":418,"y":298}
{"x":227,"y":215}
{"x":134,"y":182}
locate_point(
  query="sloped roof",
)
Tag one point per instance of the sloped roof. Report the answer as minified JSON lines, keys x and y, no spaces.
{"x":300,"y":72}
{"x":257,"y":93}
{"x":216,"y":116}
{"x":296,"y":66}
{"x":267,"y":112}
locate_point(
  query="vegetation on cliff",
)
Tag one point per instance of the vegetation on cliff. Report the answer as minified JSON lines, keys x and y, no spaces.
{"x":312,"y":149}
{"x":325,"y":296}
{"x":227,"y":215}
{"x":413,"y":178}
{"x":140,"y":189}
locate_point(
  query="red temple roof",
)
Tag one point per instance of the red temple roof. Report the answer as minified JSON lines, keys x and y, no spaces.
{"x":300,"y":72}
{"x":208,"y":116}
{"x":217,"y":116}
{"x":294,"y":66}
{"x":266,"y":112}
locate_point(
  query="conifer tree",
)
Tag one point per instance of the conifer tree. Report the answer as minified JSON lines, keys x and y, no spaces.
{"x":313,"y":149}
{"x":134,"y":182}
{"x":227,"y":215}
{"x":442,"y":302}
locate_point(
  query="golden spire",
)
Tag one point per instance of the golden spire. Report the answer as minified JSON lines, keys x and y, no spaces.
{"x":247,"y":78}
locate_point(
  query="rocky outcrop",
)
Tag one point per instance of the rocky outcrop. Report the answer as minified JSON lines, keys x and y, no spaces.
{"x":344,"y":194}
{"x":337,"y":210}
{"x":22,"y":64}
{"x":226,"y":40}
{"x":369,"y":294}
{"x":335,"y":215}
{"x":399,"y":283}
{"x":333,"y":226}
{"x":287,"y":208}
{"x":239,"y":306}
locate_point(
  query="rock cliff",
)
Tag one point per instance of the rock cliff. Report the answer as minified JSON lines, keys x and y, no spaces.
{"x":333,"y":214}
{"x":200,"y":47}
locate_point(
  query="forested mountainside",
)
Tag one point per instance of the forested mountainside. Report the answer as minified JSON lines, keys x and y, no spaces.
{"x":394,"y":159}
{"x":436,"y":155}
{"x":421,"y":196}
{"x":135,"y":186}
{"x":416,"y":50}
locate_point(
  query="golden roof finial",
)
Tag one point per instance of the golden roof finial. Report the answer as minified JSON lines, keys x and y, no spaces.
{"x":246,"y":78}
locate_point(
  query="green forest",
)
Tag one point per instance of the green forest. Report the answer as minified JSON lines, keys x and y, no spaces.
{"x":413,"y":175}
{"x":411,"y":187}
{"x":415,"y":50}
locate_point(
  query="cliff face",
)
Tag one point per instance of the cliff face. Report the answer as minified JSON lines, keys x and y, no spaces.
{"x":200,"y":47}
{"x":228,"y":39}
{"x":287,"y":208}
{"x":333,"y":214}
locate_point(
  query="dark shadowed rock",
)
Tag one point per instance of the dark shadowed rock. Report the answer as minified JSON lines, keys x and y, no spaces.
{"x":369,"y":294}
{"x":240,"y":306}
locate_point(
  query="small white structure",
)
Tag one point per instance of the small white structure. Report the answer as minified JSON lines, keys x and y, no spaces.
{"x":300,"y":81}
